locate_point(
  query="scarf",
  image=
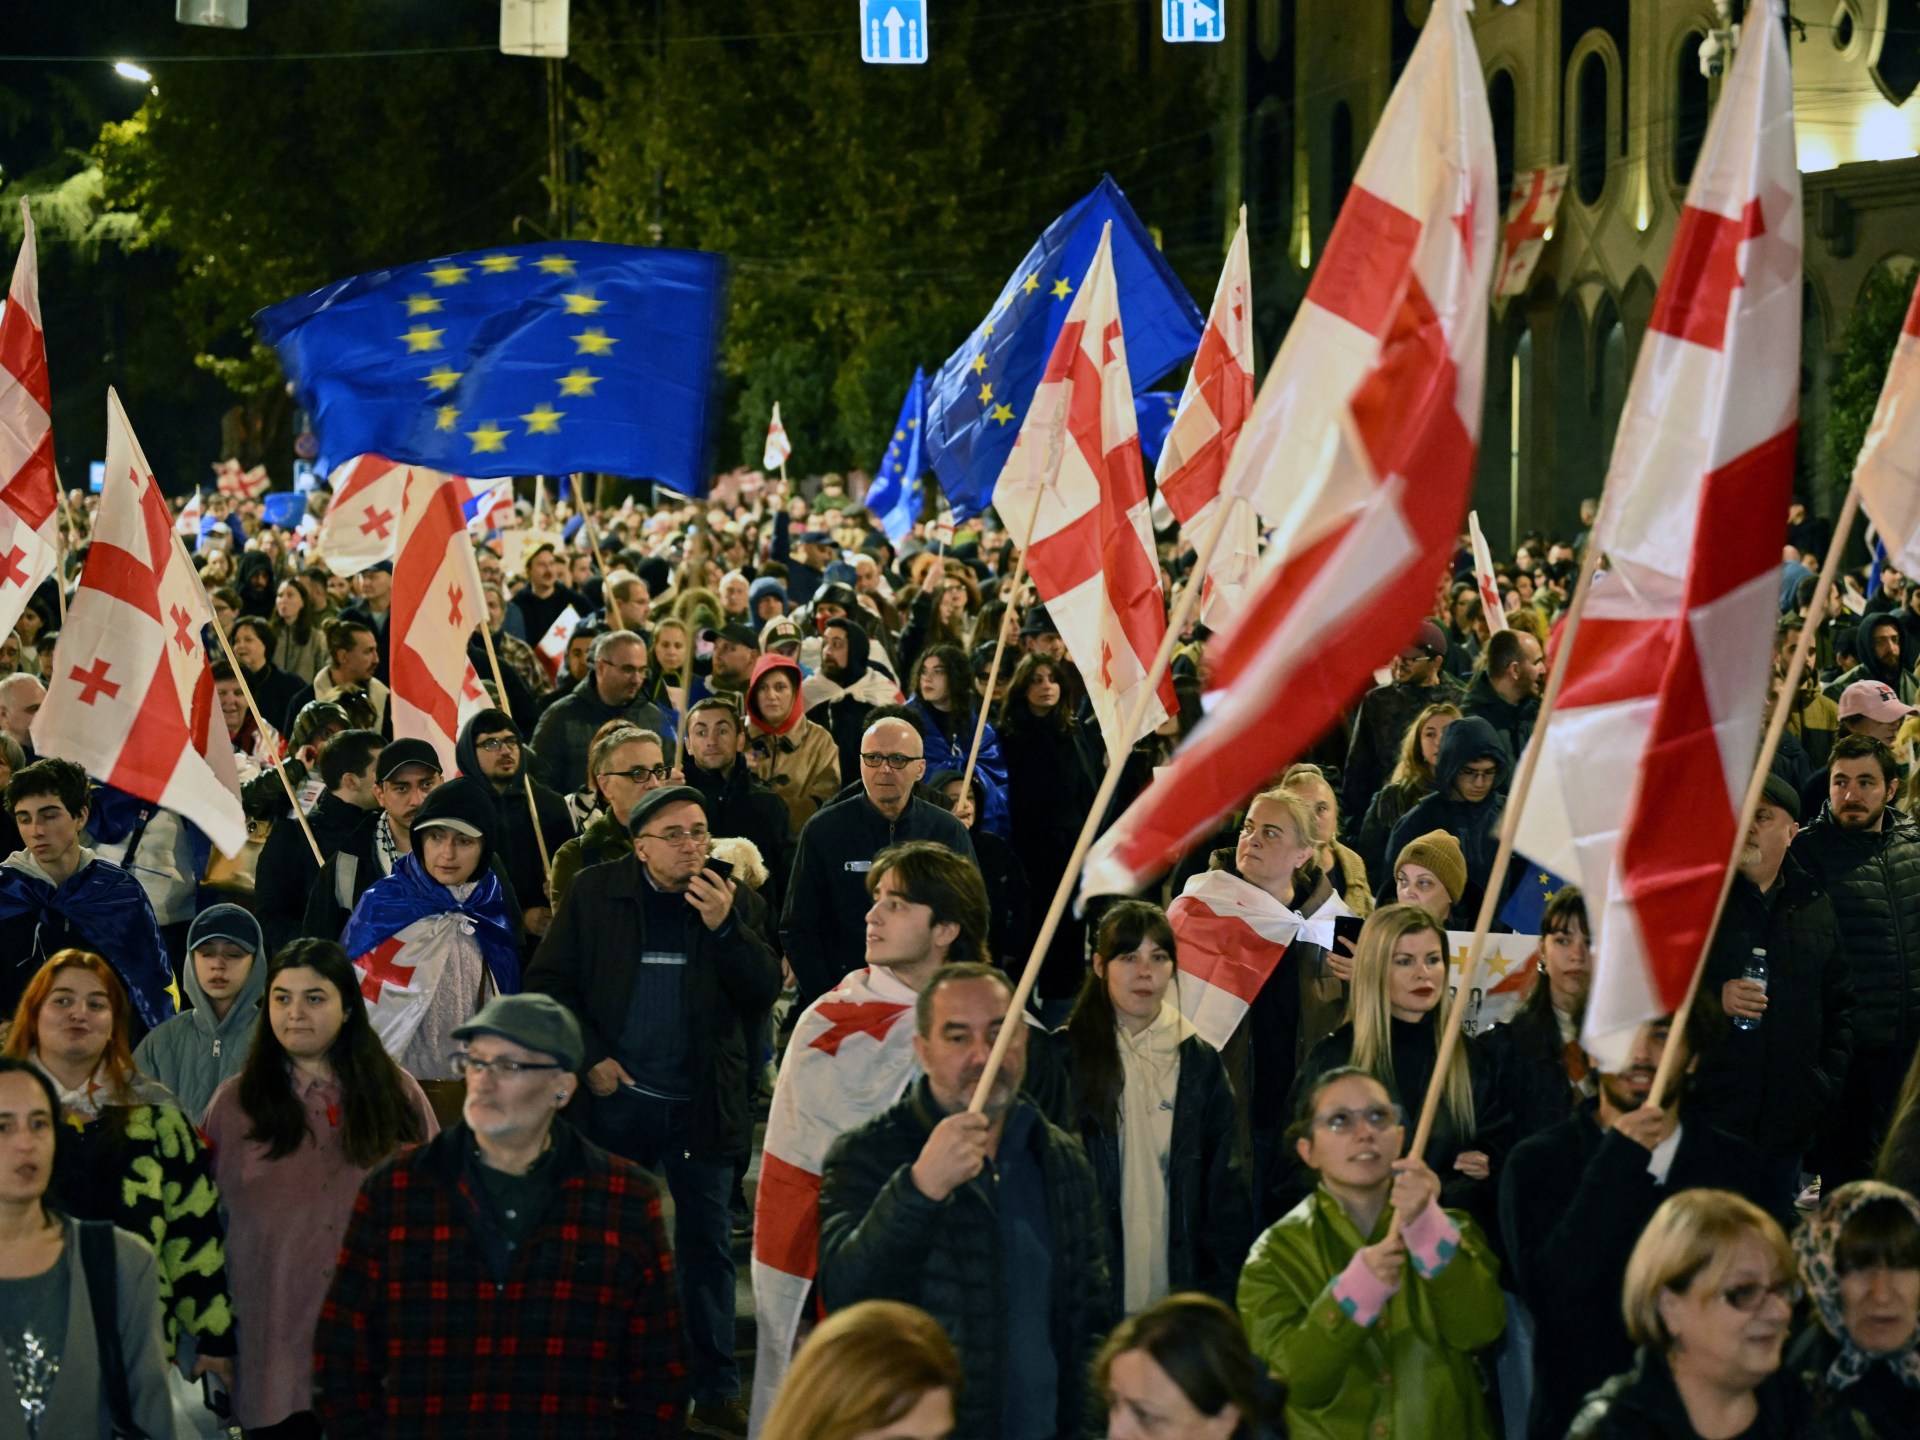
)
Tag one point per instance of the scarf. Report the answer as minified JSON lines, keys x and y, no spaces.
{"x":1814,"y":1246}
{"x":410,"y":894}
{"x":84,"y":1103}
{"x":1150,"y":1066}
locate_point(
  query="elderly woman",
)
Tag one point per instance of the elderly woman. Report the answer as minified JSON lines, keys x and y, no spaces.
{"x":1709,"y":1294}
{"x":1860,"y":1261}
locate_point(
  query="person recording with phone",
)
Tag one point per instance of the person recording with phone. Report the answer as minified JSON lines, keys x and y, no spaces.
{"x":659,"y":956}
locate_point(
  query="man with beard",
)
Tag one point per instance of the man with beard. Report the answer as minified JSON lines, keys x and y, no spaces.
{"x":1877,"y":643}
{"x":490,"y":752}
{"x":1866,"y":855}
{"x":1418,"y":680}
{"x":1507,"y":693}
{"x":980,"y":1220}
{"x":736,"y":647}
{"x":846,"y":687}
{"x":1573,"y":1201}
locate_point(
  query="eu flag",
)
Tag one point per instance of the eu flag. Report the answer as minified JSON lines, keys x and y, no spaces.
{"x":1526,"y":907}
{"x":530,"y":359}
{"x":895,"y":496}
{"x":1153,"y":412}
{"x":981,"y":394}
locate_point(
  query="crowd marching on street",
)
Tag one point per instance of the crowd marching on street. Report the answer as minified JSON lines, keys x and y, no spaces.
{"x":1235,"y":959}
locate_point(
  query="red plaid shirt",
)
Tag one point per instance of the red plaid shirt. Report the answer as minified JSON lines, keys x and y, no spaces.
{"x":579,"y":1334}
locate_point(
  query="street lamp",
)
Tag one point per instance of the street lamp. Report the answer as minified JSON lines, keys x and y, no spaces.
{"x":132,"y":71}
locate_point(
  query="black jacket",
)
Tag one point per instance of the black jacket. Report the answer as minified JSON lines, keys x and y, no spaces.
{"x":1524,"y":1062}
{"x":1513,"y":723}
{"x":1641,"y":1403}
{"x":738,"y":804}
{"x":1379,"y":727}
{"x":1573,"y":1201}
{"x":587,"y":962}
{"x":1210,"y":1225}
{"x":824,"y":925}
{"x":564,"y":736}
{"x":881,"y":1239}
{"x":515,"y":840}
{"x":1475,"y":824}
{"x":1873,"y":879}
{"x":1877,"y":1406}
{"x":286,"y":870}
{"x":1770,"y":1085}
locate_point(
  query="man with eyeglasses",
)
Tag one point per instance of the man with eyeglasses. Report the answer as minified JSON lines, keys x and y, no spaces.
{"x":626,"y":764}
{"x":1417,"y":679}
{"x":611,"y":691}
{"x":563,"y":1240}
{"x":737,"y":803}
{"x":1575,"y":1197}
{"x":824,"y":925}
{"x":490,"y":751}
{"x":661,"y":960}
{"x":1471,"y":775}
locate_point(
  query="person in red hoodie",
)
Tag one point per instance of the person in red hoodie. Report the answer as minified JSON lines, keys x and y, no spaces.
{"x":795,"y":758}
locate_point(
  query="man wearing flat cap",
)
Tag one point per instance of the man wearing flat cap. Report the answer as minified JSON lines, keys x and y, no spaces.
{"x":1770,"y":1084}
{"x":660,"y":958}
{"x":504,"y":1229}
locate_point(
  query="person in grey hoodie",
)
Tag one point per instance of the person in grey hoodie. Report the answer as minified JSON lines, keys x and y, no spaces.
{"x":226,"y":979}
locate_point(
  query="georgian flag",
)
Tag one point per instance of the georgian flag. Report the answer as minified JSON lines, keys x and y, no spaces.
{"x":1484,"y":577}
{"x":362,"y":524}
{"x":437,"y":602}
{"x":779,"y":449}
{"x":1888,"y":471}
{"x":29,"y":496}
{"x":552,"y":648}
{"x":1232,"y":936}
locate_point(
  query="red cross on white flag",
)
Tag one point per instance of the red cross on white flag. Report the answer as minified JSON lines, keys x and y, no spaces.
{"x":1667,"y":685}
{"x":362,"y":523}
{"x":29,"y":534}
{"x":779,"y":450}
{"x":437,"y":601}
{"x":131,"y":695}
{"x":1523,"y":236}
{"x":1888,"y":469}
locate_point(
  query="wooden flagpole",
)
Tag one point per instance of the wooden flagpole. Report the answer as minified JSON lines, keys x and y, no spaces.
{"x":999,"y":648}
{"x":1757,"y":782}
{"x":1183,"y":608}
{"x":240,"y":674}
{"x":526,"y":775}
{"x":1516,"y":804}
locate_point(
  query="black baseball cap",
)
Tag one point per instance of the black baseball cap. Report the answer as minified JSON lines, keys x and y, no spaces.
{"x":399,"y":754}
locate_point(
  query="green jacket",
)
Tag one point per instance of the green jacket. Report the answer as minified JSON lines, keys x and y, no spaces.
{"x":604,"y":839}
{"x":1408,"y":1375}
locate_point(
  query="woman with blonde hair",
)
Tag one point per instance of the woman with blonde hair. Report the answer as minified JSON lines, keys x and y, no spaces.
{"x":878,"y":1370}
{"x":1411,"y":782}
{"x":1345,"y":869}
{"x":1708,"y":1298}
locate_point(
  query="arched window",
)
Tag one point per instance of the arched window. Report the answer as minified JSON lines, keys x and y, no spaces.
{"x":1691,"y":108}
{"x":1590,"y":139}
{"x":1501,"y":102}
{"x":1339,"y":156}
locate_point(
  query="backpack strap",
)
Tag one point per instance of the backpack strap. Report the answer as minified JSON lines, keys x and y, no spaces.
{"x":102,"y":1267}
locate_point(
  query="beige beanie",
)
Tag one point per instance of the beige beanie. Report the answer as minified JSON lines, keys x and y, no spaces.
{"x":1439,"y":852}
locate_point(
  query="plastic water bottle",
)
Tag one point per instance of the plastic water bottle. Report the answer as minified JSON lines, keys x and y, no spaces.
{"x":1756,"y":971}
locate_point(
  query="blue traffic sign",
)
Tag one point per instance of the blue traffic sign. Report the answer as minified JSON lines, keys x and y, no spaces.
{"x":893,"y":32}
{"x":1183,"y":20}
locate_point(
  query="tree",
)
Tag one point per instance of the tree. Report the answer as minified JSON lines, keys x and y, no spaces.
{"x":1866,"y":350}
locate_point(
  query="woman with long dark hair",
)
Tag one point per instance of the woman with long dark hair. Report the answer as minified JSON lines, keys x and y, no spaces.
{"x":274,"y":689}
{"x":53,"y":1379}
{"x":1535,"y":1060}
{"x":1411,"y":782}
{"x":126,"y":1153}
{"x":299,"y":641}
{"x":319,"y":1104}
{"x":1049,"y":793}
{"x":940,"y":691}
{"x":1151,"y":1104}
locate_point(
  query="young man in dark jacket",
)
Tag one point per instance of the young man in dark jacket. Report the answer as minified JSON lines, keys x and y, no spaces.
{"x":1471,"y":778}
{"x":980,"y":1220}
{"x":737,"y":803}
{"x":662,"y":961}
{"x":286,"y":870}
{"x":491,"y":751}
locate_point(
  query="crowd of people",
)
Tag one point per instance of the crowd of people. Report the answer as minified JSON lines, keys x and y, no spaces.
{"x":372,"y":1129}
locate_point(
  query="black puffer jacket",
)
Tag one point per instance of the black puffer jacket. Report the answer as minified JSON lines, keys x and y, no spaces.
{"x":1643,"y":1404}
{"x":1513,"y":723}
{"x":1770,"y":1085}
{"x":1475,"y":824}
{"x":1873,"y":879}
{"x":1210,"y":1224}
{"x":1524,"y":1062}
{"x":881,"y":1239}
{"x":738,"y":804}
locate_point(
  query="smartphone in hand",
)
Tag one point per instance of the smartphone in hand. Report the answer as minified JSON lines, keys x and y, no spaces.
{"x":718,"y":868}
{"x":1347,"y":928}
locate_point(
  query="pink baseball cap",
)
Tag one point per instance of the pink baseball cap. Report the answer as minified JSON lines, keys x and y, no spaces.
{"x":1875,"y":701}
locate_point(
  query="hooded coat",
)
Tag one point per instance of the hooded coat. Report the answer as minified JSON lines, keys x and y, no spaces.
{"x":514,"y":834}
{"x":1475,"y":824}
{"x":195,"y":1050}
{"x":1897,"y":677}
{"x":841,"y":706}
{"x":948,"y":736}
{"x":803,"y":762}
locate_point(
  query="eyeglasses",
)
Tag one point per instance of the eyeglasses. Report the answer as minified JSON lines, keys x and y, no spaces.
{"x":1342,"y":1122}
{"x":497,"y":744}
{"x":632,"y":672}
{"x":462,"y":1063}
{"x":639,"y":774}
{"x":700,"y":835}
{"x":1751,"y":1296}
{"x":893,"y":762}
{"x":1476,"y":772}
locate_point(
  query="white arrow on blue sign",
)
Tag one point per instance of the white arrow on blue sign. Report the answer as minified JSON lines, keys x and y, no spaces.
{"x":893,"y":32}
{"x":1184,"y":20}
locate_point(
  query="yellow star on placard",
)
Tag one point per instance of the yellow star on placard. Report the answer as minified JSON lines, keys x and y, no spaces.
{"x":448,"y":274}
{"x":544,"y":420}
{"x":593,"y":341}
{"x":979,"y":363}
{"x":422,"y":305}
{"x":445,"y":417}
{"x":422,"y":337}
{"x":445,"y":378}
{"x":1061,"y":289}
{"x":554,"y":265}
{"x":581,"y":302}
{"x":499,"y":264}
{"x":986,"y":393}
{"x":488,"y":437}
{"x":578,"y":381}
{"x":1030,"y":284}
{"x":1002,"y":413}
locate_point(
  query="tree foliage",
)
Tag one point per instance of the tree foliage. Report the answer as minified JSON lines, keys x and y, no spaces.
{"x":1867,"y":345}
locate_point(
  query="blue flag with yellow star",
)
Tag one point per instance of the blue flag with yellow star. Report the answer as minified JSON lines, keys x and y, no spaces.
{"x":1526,"y":907}
{"x":981,"y":394}
{"x":895,"y":497}
{"x":529,"y":359}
